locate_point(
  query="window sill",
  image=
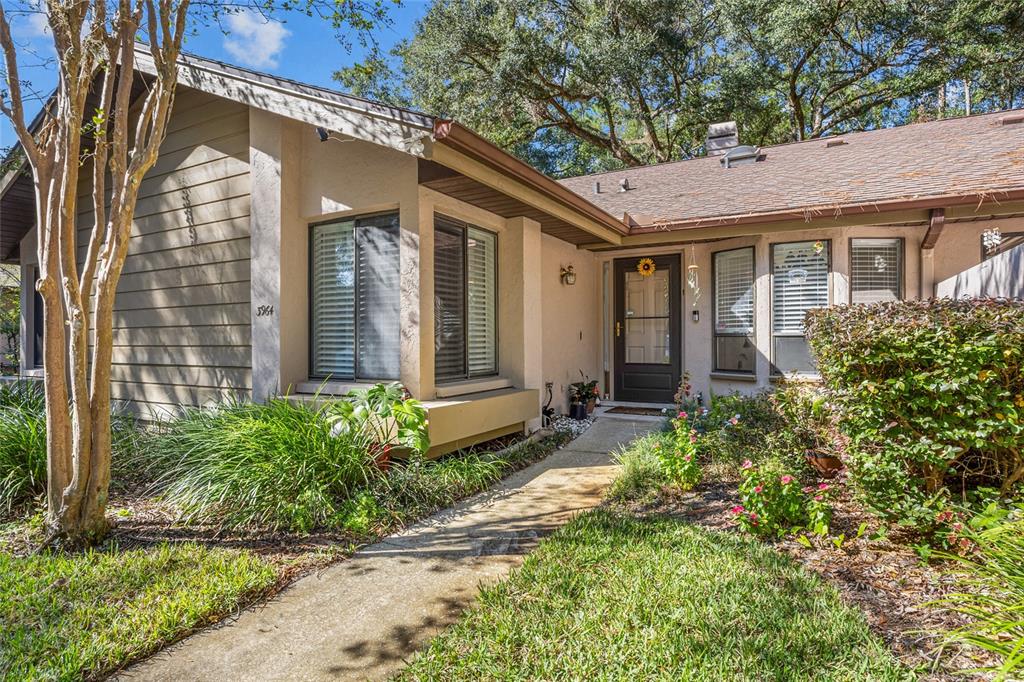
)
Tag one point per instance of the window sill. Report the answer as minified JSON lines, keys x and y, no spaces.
{"x":734,"y":376}
{"x":457,"y":388}
{"x":795,"y":378}
{"x":334,"y":388}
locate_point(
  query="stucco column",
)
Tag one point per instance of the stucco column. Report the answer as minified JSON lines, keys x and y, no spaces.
{"x":927,"y":286}
{"x":26,"y":331}
{"x":277,"y":252}
{"x":416,"y":256}
{"x":519,"y":305}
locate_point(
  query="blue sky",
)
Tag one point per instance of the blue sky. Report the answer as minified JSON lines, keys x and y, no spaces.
{"x":299,"y":47}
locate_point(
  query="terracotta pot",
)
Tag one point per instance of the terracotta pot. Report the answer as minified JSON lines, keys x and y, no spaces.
{"x":826,"y":465}
{"x":591,"y":404}
{"x":578,"y":411}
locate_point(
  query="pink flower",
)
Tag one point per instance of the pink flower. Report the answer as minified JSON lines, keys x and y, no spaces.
{"x":734,"y":421}
{"x":682,"y":415}
{"x":747,"y":465}
{"x":818,"y":498}
{"x":738,"y":509}
{"x":786,"y":479}
{"x":693,"y":437}
{"x":823,"y":486}
{"x":758,"y":488}
{"x":753,"y":518}
{"x":688,"y":458}
{"x":808,"y":489}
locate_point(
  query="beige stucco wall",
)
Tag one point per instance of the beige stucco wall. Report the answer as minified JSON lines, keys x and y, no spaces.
{"x":959,"y":246}
{"x":571,"y":322}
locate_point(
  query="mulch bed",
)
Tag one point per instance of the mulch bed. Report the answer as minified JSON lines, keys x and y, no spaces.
{"x":884,"y":578}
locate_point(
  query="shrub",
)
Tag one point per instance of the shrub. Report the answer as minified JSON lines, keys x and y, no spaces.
{"x":772,"y":502}
{"x":994,"y":599}
{"x":418,"y":486}
{"x":679,"y":459}
{"x":642,"y":471}
{"x":931,"y":395}
{"x":23,"y":441}
{"x":281,"y":464}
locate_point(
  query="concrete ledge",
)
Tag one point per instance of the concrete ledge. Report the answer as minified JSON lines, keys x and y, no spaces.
{"x":457,"y":388}
{"x":461,"y":422}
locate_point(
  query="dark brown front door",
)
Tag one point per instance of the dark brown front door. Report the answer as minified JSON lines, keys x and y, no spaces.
{"x":647,"y":329}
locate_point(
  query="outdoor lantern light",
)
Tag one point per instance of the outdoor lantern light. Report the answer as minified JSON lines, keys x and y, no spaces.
{"x":568,"y":276}
{"x":322,"y":134}
{"x":695,"y":314}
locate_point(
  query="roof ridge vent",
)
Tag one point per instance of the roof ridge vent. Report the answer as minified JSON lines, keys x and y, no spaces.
{"x":835,"y":142}
{"x":1012,"y":118}
{"x":745,"y":153}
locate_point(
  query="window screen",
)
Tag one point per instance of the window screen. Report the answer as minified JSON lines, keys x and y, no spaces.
{"x":734,"y":347}
{"x":799,"y":283}
{"x":876,"y":270}
{"x":355,"y":299}
{"x":465,"y":300}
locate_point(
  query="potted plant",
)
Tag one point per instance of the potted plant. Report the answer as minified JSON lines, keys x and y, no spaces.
{"x":582,"y":398}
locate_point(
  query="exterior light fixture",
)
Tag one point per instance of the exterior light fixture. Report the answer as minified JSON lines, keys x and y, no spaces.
{"x":695,"y":314}
{"x":322,"y":133}
{"x":568,"y":276}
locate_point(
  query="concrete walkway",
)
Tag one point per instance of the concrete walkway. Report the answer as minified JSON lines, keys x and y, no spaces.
{"x":362,"y":618}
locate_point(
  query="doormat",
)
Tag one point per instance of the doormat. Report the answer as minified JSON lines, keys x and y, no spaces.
{"x":645,"y":411}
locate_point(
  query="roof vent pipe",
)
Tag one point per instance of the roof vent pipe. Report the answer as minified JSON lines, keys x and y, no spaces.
{"x":721,"y":138}
{"x":624,"y":185}
{"x":597,"y":187}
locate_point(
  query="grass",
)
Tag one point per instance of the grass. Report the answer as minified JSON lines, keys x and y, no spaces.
{"x":275,"y":465}
{"x":68,"y":616}
{"x":22,"y":443}
{"x":642,"y":473}
{"x":612,"y":596}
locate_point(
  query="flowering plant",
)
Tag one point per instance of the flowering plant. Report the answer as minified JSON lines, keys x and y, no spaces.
{"x":773,"y":503}
{"x":583,"y":391}
{"x":680,"y":462}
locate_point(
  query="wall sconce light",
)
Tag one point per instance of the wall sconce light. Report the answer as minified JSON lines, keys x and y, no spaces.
{"x":695,"y":315}
{"x":568,"y":276}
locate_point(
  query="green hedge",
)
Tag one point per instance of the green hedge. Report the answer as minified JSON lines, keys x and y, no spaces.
{"x":932,"y":397}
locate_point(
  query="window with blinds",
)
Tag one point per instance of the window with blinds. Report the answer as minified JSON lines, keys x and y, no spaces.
{"x":876,"y":270}
{"x":465,"y":301}
{"x":734,"y":348}
{"x":799,"y":283}
{"x":355,"y":299}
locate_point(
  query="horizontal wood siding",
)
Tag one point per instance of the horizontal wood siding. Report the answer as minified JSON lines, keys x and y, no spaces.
{"x":182,"y":324}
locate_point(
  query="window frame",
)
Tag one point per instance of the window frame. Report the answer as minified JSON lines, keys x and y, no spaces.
{"x":714,"y":310}
{"x":311,"y":323}
{"x":901,"y":266}
{"x":771,"y":302}
{"x":455,"y":224}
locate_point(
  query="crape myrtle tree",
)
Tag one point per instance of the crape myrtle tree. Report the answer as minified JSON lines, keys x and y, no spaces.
{"x":105,"y":121}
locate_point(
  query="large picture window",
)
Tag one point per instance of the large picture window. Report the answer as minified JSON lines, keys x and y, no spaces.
{"x":876,"y":270}
{"x":799,"y":284}
{"x":465,"y":300}
{"x":354,"y":273}
{"x":734,"y":347}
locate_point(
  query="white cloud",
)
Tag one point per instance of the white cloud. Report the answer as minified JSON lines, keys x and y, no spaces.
{"x":32,"y":24}
{"x":254,"y":40}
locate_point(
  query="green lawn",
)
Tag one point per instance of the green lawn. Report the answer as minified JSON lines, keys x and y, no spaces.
{"x":611,"y":596}
{"x":73,"y":616}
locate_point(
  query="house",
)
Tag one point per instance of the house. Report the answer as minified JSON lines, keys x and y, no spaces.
{"x":294,"y":239}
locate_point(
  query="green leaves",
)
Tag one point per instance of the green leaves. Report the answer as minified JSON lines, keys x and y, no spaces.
{"x":932,"y":397}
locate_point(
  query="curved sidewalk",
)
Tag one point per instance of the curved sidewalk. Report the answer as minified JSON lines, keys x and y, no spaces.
{"x":362,"y":617}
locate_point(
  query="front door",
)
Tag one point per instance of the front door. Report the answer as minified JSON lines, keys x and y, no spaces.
{"x":647,"y":328}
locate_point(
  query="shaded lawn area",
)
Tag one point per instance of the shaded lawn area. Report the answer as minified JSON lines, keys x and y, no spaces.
{"x":68,"y":616}
{"x":613,"y":596}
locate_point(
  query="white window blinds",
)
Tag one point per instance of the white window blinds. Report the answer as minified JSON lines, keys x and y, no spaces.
{"x":876,"y":270}
{"x":799,"y":283}
{"x":465,"y":300}
{"x":355,"y":299}
{"x":481,"y":290}
{"x":734,"y":291}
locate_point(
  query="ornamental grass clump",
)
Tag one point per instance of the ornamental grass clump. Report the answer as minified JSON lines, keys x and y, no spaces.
{"x":22,"y":443}
{"x":283,"y":464}
{"x":931,"y":396}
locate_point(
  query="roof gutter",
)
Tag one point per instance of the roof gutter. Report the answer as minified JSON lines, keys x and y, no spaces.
{"x":465,"y":141}
{"x":835,"y":211}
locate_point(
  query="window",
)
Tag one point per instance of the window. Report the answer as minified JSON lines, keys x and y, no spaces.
{"x":465,"y":301}
{"x":354,"y":275}
{"x":734,"y":347}
{"x":799,"y":283}
{"x":876,"y":270}
{"x":1007,"y":240}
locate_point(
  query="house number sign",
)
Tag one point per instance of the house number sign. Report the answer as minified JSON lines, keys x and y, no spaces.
{"x":264,"y":311}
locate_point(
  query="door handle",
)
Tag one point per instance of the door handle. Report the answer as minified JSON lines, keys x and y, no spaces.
{"x":618,"y":329}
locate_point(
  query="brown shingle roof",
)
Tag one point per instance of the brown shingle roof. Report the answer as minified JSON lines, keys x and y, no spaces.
{"x":960,"y":156}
